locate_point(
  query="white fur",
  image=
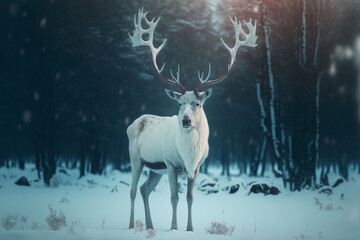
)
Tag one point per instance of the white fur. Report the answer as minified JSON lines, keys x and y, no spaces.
{"x":163,"y":139}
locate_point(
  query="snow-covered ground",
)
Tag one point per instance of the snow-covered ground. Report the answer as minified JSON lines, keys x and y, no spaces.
{"x":97,"y":207}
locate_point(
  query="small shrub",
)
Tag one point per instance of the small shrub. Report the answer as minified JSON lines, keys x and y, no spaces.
{"x":23,"y":219}
{"x":54,"y":221}
{"x":55,"y":182}
{"x":139,"y":226}
{"x":103,"y":224}
{"x":34,"y":226}
{"x":9,"y":222}
{"x":318,"y":203}
{"x":329,"y":207}
{"x":75,"y":227}
{"x":72,"y":227}
{"x":151,"y":233}
{"x":220,"y":228}
{"x":301,"y":237}
{"x":64,"y":200}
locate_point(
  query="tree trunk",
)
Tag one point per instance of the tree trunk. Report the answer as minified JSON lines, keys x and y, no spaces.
{"x":275,"y":142}
{"x":21,"y":162}
{"x":82,"y":161}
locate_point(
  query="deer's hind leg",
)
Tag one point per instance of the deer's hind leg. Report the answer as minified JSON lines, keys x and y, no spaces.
{"x":145,"y":191}
{"x":136,"y":169}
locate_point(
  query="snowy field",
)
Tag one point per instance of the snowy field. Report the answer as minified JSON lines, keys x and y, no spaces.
{"x":97,"y":207}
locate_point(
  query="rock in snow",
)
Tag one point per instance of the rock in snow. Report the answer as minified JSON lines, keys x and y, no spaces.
{"x":326,"y":190}
{"x":22,"y":182}
{"x":63,"y":171}
{"x":338,"y":182}
{"x":234,"y":186}
{"x":263,"y":187}
{"x":209,"y":186}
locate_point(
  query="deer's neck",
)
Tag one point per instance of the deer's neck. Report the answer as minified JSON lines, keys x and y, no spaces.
{"x":193,"y":145}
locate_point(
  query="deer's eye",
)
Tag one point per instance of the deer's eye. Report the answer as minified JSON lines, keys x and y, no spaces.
{"x":198,"y":104}
{"x":180,"y":104}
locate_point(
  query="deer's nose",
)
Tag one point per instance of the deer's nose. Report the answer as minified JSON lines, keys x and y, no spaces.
{"x":186,"y":122}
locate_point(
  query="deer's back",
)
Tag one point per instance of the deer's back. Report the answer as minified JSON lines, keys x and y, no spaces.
{"x":154,"y":137}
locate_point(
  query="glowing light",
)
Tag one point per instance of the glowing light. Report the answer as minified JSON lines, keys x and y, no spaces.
{"x":256,"y":9}
{"x":348,"y":53}
{"x":332,"y":70}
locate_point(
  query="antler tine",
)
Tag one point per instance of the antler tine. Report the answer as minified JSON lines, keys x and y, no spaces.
{"x":250,"y":41}
{"x":201,"y":78}
{"x":177,"y":78}
{"x":137,"y":40}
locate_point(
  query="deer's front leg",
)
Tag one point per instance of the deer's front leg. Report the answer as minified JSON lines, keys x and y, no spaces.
{"x":173,"y":181}
{"x":189,"y":198}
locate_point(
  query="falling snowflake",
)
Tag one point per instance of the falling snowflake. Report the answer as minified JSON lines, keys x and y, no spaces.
{"x":36,"y":96}
{"x":342,"y":90}
{"x":13,"y":9}
{"x":127,"y":120}
{"x":27,"y":115}
{"x":43,"y":22}
{"x":57,"y":75}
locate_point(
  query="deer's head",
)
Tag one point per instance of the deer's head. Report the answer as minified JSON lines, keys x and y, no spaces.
{"x":190,"y":102}
{"x":191,"y":107}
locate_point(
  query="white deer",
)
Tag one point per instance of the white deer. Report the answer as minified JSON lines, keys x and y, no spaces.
{"x":175,"y":145}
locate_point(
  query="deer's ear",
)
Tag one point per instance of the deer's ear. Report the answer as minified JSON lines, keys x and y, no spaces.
{"x":205,"y":95}
{"x":172,"y":94}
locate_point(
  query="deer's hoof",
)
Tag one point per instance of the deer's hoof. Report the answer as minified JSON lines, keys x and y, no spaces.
{"x":190,"y":229}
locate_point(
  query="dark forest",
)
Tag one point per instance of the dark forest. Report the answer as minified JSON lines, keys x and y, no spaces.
{"x":71,"y":84}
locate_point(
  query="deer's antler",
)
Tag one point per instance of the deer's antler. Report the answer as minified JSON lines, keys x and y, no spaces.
{"x":137,"y":40}
{"x":250,"y":41}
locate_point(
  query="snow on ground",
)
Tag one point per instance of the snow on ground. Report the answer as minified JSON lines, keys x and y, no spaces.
{"x":94,"y":211}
